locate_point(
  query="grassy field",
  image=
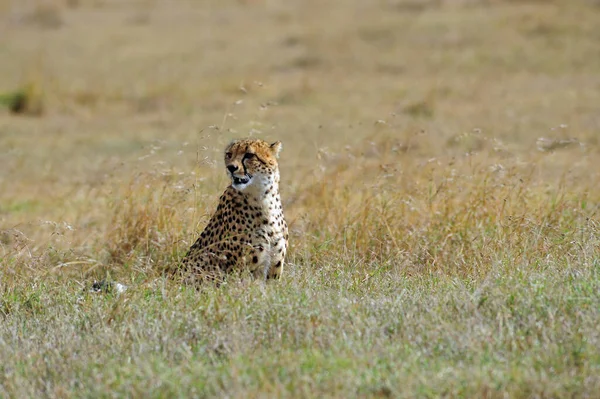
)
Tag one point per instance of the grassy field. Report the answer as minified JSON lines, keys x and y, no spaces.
{"x":440,"y":176}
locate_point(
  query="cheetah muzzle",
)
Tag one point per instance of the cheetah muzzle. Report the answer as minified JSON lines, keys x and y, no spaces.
{"x":240,"y":181}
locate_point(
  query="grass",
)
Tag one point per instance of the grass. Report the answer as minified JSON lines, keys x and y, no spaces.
{"x":439,"y":176}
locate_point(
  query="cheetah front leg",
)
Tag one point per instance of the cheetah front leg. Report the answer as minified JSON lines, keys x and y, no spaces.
{"x":277,"y":260}
{"x":276,"y":270}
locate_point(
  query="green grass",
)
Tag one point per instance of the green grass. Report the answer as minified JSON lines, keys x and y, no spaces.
{"x":523,"y":330}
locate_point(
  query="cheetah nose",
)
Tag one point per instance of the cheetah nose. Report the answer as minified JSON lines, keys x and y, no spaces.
{"x":232,"y":168}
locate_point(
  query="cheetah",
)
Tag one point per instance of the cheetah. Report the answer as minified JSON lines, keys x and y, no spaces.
{"x":248,"y":230}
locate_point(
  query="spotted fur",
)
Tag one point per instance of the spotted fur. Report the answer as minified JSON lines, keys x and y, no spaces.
{"x":248,"y":230}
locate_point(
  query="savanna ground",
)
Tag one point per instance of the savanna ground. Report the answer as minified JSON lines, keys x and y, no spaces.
{"x":440,"y":175}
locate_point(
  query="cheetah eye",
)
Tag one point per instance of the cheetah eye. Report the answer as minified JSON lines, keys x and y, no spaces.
{"x":228,"y":155}
{"x":250,"y":155}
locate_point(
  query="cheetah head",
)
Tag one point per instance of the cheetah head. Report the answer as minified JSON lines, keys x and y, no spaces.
{"x":252,"y":162}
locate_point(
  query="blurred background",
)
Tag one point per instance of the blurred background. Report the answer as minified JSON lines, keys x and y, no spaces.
{"x":94,"y":91}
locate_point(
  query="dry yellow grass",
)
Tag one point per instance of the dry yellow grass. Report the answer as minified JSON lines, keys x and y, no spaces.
{"x":440,"y":175}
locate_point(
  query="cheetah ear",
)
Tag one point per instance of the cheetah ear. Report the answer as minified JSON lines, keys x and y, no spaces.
{"x":276,"y":148}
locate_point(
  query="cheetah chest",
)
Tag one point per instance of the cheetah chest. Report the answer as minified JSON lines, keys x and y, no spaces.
{"x":263,"y":227}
